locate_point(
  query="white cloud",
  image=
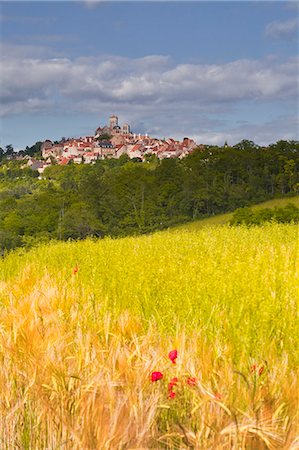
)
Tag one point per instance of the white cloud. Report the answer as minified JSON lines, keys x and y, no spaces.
{"x":30,"y":105}
{"x":151,"y":93}
{"x":282,"y":29}
{"x":152,"y":81}
{"x":265,"y":133}
{"x":91,"y":4}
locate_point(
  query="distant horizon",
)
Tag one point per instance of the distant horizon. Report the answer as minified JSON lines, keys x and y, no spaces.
{"x":211,"y":71}
{"x":225,"y":142}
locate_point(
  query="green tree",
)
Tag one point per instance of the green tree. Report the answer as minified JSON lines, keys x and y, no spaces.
{"x":9,"y":151}
{"x":80,"y":221}
{"x":104,"y":137}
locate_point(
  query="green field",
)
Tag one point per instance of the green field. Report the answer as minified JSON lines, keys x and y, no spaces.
{"x":83,"y":326}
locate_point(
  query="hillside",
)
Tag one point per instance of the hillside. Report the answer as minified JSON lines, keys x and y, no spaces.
{"x":87,"y":327}
{"x":123,"y":197}
{"x":222,"y":219}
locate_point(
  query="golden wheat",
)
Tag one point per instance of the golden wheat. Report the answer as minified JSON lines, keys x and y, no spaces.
{"x":78,"y":347}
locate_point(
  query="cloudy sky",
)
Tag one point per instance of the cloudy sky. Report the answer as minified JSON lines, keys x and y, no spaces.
{"x":213,"y":71}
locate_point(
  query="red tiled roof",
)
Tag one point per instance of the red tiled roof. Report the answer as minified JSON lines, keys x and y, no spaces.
{"x":64,"y":161}
{"x":136,"y":147}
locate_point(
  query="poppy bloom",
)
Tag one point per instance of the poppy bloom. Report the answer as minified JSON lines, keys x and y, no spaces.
{"x":253,"y":368}
{"x":261,"y":370}
{"x":217,"y":396}
{"x":172,"y":394}
{"x":75,"y":269}
{"x":173,"y":382}
{"x":155,"y":376}
{"x":173,"y":356}
{"x":192,"y":381}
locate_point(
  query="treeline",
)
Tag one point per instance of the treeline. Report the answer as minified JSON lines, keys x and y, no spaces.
{"x":247,"y":216}
{"x":122,"y":197}
{"x":9,"y":153}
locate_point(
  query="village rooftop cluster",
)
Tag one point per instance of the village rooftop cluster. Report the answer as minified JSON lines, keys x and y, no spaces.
{"x":111,"y":141}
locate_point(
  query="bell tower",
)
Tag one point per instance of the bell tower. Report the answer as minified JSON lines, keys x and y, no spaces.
{"x":113,"y":121}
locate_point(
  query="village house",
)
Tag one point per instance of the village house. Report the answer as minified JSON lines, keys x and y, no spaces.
{"x":38,"y":165}
{"x":113,"y":141}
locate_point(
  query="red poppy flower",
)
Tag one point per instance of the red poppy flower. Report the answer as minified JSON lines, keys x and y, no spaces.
{"x":156,"y":376}
{"x":173,"y":356}
{"x":253,"y":368}
{"x":261,"y":370}
{"x":75,"y":270}
{"x":217,"y":396}
{"x":172,"y":394}
{"x":192,"y":381}
{"x":173,"y":382}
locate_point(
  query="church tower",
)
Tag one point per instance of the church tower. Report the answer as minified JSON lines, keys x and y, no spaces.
{"x":126,"y":128}
{"x":113,"y":121}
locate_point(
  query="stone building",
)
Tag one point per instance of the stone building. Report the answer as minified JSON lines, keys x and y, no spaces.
{"x":113,"y":128}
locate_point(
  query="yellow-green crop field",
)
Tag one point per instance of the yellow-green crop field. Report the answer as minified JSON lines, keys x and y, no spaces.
{"x":83,"y":327}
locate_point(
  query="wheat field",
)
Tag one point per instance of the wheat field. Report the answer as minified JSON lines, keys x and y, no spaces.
{"x":85,"y":327}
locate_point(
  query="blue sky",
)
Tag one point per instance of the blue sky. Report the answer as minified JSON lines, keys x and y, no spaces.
{"x":213,"y":71}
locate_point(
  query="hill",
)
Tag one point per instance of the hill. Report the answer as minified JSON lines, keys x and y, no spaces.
{"x":90,"y":331}
{"x":222,"y":219}
{"x":122,"y":197}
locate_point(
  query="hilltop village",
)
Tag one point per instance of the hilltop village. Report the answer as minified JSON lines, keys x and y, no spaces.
{"x":112,"y":141}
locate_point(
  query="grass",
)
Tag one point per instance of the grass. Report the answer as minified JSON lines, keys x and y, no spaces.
{"x":77,"y":347}
{"x":222,"y":219}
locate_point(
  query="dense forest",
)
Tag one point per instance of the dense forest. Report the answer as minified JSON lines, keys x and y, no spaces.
{"x":118,"y":197}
